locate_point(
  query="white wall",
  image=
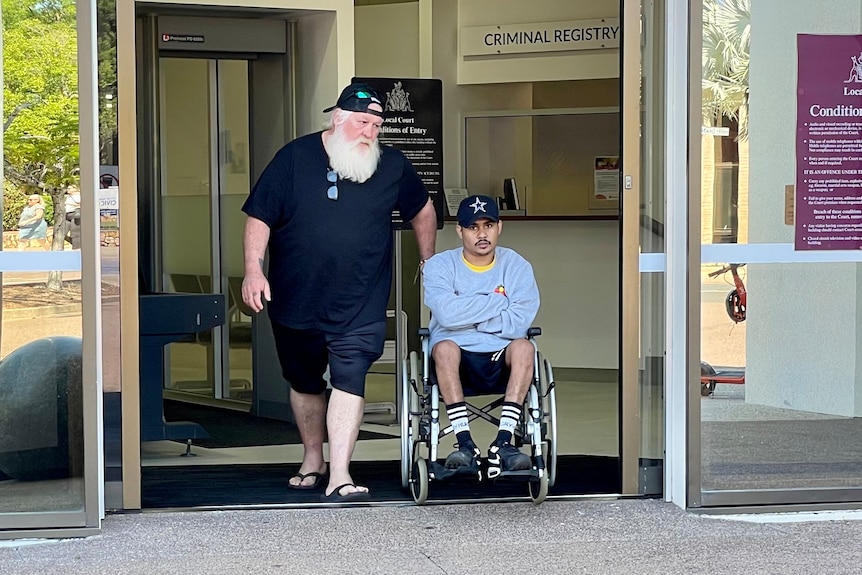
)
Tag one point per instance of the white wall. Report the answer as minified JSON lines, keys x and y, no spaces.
{"x":803,"y":327}
{"x":387,"y":40}
{"x":324,"y":61}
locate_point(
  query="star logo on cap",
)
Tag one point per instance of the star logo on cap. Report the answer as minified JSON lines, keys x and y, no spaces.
{"x":478,"y":206}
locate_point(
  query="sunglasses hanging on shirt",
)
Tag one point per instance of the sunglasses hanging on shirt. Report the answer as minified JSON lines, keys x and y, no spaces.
{"x":332,"y":178}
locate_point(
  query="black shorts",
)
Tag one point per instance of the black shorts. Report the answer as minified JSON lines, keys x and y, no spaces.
{"x":481,"y":373}
{"x":305,"y":353}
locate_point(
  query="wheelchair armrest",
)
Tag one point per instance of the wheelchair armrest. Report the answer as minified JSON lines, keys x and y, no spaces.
{"x":531,"y":332}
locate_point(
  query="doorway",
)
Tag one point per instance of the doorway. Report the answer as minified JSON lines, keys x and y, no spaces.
{"x":201,"y":151}
{"x":205,"y":178}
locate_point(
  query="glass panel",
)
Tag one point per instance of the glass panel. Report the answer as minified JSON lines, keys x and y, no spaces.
{"x":235,"y":186}
{"x":42,"y":475}
{"x":41,"y":413}
{"x":110,"y":267}
{"x":109,"y":232}
{"x":185,"y":212}
{"x":774,"y":414}
{"x":781,"y":386}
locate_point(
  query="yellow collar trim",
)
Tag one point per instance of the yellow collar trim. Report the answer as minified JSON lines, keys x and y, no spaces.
{"x":479,"y":269}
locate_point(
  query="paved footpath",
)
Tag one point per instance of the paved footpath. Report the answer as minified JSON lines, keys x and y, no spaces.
{"x":566,"y":537}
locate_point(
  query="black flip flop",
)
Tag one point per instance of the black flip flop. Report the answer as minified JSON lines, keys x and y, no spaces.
{"x":318,"y":479}
{"x":337,"y":497}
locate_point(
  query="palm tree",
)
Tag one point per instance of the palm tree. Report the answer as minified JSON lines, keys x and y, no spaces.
{"x":726,"y":55}
{"x":725,"y":61}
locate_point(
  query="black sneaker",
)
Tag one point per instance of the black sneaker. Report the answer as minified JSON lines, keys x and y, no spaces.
{"x":506,"y":457}
{"x":463,"y":457}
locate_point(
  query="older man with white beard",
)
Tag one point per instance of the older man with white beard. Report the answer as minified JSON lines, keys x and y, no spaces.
{"x":323,"y":208}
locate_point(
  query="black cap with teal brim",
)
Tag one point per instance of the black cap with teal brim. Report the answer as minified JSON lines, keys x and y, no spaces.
{"x":357,"y":97}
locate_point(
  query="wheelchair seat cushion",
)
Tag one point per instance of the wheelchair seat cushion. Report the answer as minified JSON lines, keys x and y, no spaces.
{"x":481,"y":373}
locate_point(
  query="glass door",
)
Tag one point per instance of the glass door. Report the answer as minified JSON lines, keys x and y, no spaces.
{"x":642,"y":241}
{"x":204,"y":129}
{"x":51,"y":449}
{"x":780,"y":391}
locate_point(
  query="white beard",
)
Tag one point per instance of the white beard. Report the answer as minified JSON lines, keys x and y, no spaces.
{"x":351,"y":160}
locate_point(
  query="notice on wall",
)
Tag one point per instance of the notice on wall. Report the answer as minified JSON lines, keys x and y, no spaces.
{"x":109,"y":207}
{"x":829,"y":143}
{"x":606,"y":176}
{"x":413,"y":123}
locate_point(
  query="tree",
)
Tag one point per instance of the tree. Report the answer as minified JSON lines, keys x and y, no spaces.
{"x":107,"y":46}
{"x":725,"y":61}
{"x":726,"y":55}
{"x":41,"y":144}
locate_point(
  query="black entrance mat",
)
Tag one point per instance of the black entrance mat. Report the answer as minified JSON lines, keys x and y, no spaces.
{"x":231,"y":428}
{"x":225,"y":485}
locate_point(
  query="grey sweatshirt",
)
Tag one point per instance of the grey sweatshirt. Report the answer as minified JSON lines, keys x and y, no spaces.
{"x":480,"y":309}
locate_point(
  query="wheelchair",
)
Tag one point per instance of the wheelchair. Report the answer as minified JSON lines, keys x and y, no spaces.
{"x":421,"y":433}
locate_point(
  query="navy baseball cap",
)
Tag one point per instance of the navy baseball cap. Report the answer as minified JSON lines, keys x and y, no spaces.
{"x":475,"y":208}
{"x":356,"y":98}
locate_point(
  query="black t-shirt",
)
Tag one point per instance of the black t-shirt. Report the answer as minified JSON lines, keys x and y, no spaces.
{"x":330,"y":261}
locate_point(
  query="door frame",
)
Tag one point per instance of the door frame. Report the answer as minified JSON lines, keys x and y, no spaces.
{"x":630,"y":190}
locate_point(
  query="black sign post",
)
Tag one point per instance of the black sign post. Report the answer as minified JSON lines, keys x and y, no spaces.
{"x":413,"y":123}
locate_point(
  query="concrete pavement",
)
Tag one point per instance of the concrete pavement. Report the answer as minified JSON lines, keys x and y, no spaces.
{"x":593,"y":537}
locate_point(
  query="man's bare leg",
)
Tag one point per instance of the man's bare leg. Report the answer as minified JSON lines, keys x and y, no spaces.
{"x":310,"y":413}
{"x":520,"y":355}
{"x":447,"y":363}
{"x":342,"y":420}
{"x":502,"y":455}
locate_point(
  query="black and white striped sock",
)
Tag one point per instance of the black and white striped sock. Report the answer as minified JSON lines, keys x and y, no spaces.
{"x":459,"y":418}
{"x":509,"y":418}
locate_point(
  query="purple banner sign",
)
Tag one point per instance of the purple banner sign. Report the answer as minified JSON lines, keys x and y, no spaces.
{"x":829,"y":143}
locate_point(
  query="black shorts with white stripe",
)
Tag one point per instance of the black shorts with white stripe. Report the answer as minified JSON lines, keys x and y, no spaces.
{"x":481,"y":373}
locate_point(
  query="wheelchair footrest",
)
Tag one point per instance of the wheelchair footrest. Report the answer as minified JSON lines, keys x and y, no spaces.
{"x":439,"y":472}
{"x":522,"y":475}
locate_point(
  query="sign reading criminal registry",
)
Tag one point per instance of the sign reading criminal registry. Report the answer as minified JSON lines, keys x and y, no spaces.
{"x":596,"y":34}
{"x":413,"y":123}
{"x":829,"y":143}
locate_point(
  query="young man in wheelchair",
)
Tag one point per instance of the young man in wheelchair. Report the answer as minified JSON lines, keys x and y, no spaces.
{"x":482,"y":298}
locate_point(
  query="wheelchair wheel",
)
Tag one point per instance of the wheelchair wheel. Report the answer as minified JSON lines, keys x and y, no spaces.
{"x":550,"y":460}
{"x":409,"y":419}
{"x":419,"y":481}
{"x":406,"y":440}
{"x":539,"y":489}
{"x":550,"y":407}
